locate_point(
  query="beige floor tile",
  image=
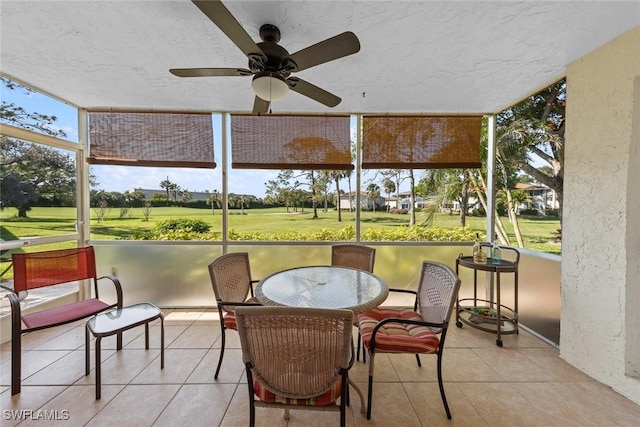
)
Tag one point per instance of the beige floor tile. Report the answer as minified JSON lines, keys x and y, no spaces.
{"x":237,"y":414}
{"x":65,"y":370}
{"x":383,"y":370}
{"x":232,"y":339}
{"x":5,"y":353}
{"x":24,"y":405}
{"x":123,"y":366}
{"x":386,"y":411}
{"x":197,"y":405}
{"x":408,"y":370}
{"x":231,"y":371}
{"x":136,"y":405}
{"x":180,"y":317}
{"x":209,"y":316}
{"x":463,"y":364}
{"x":197,"y":336}
{"x":523,"y":339}
{"x":32,"y":362}
{"x":563,"y":404}
{"x":511,"y":365}
{"x":427,"y":403}
{"x":75,"y":406}
{"x":500,"y":404}
{"x":36,"y":339}
{"x":171,"y":332}
{"x":548,"y":359}
{"x":611,"y":406}
{"x":71,"y":339}
{"x":178,"y":365}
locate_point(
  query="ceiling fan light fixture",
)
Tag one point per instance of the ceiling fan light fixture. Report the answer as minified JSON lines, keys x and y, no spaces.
{"x":270,"y":86}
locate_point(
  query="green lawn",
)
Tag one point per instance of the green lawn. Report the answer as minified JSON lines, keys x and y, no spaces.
{"x":538,"y":232}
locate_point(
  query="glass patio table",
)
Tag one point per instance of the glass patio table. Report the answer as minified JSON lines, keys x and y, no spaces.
{"x":323,"y":287}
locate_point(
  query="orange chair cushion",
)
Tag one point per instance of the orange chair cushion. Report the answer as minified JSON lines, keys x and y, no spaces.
{"x":397,"y":337}
{"x":327,"y":398}
{"x":230,"y":317}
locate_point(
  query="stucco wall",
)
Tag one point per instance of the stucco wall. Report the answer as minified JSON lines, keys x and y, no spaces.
{"x":601,"y":231}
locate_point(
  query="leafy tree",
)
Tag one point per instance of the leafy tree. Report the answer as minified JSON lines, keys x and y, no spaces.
{"x":37,"y":171}
{"x":135,"y":199}
{"x":281,"y":189}
{"x":17,"y":116}
{"x":31,"y":171}
{"x":185,"y":195}
{"x":447,"y":185}
{"x":538,"y":126}
{"x":214,"y":201}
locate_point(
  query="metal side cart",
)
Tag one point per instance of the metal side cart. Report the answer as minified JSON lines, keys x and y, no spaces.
{"x":489,"y":314}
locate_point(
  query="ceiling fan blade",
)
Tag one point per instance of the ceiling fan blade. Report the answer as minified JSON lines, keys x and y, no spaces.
{"x":314,"y":92}
{"x":209,"y":72}
{"x":260,"y":106}
{"x":220,"y":15}
{"x":333,"y":48}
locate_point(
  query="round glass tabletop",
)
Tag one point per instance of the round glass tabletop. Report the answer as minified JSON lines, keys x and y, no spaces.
{"x":323,"y":287}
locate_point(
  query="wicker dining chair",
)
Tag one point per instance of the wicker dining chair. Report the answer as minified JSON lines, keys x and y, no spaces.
{"x":232,"y":285}
{"x":418,"y":331}
{"x":355,"y":256}
{"x":296,"y":358}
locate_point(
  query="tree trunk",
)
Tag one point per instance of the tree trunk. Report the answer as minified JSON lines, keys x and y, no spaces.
{"x":464,"y":203}
{"x":514,"y":218}
{"x":481,"y":190}
{"x":338,"y":199}
{"x":314,"y":202}
{"x":412,"y":198}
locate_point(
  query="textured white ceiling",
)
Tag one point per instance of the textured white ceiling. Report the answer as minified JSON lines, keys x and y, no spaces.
{"x":416,"y":56}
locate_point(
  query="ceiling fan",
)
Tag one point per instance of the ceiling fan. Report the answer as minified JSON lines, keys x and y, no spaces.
{"x":270,"y":64}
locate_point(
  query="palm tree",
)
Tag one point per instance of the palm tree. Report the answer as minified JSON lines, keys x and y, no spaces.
{"x":337,"y":176}
{"x":389,"y":187}
{"x":167,"y":186}
{"x":373,"y":193}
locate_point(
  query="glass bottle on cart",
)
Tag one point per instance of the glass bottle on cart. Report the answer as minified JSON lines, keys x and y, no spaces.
{"x":496,"y":253}
{"x":479,"y":255}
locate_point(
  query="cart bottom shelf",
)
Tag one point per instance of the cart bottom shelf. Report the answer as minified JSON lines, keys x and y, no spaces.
{"x":484,"y":318}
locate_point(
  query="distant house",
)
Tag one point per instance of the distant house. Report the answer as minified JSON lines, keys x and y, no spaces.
{"x":391,"y":202}
{"x":420,"y":202}
{"x":542,"y":197}
{"x":348,"y":201}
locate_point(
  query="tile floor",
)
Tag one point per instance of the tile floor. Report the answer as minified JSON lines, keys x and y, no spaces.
{"x":524,"y":383}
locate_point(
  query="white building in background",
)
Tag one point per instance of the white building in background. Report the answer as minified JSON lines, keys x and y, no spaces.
{"x":542,"y":197}
{"x":348,"y":201}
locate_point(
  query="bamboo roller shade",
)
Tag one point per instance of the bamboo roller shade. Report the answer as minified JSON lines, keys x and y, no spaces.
{"x":151,"y":139}
{"x":291,"y":142}
{"x":421,"y":142}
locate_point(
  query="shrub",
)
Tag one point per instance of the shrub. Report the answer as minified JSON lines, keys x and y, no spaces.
{"x":398,"y":211}
{"x":530,"y":212}
{"x":182,"y":224}
{"x":164,"y":231}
